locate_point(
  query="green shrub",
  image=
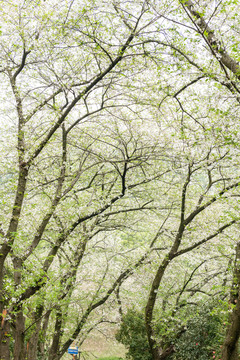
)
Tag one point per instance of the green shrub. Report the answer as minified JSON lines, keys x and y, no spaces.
{"x":132,"y":334}
{"x":203,"y":335}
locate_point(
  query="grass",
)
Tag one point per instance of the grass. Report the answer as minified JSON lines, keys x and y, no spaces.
{"x":100,"y":347}
{"x":110,"y":358}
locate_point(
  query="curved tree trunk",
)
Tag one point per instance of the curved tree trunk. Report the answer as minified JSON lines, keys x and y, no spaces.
{"x":156,"y":354}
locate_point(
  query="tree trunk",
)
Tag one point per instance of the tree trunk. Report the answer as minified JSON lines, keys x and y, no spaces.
{"x":157,"y":352}
{"x":19,"y":319}
{"x":53,"y":353}
{"x":4,"y":251}
{"x":41,"y":340}
{"x":32,"y":346}
{"x":4,"y":337}
{"x":230,"y":345}
{"x":150,"y":307}
{"x":19,"y":348}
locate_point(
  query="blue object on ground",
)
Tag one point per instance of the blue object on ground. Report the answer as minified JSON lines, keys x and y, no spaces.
{"x":73,"y":350}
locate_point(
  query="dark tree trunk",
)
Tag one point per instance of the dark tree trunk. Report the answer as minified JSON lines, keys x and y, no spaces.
{"x":41,"y":340}
{"x":4,"y":337}
{"x":150,"y":307}
{"x":19,"y":348}
{"x":19,"y":319}
{"x":32,"y":346}
{"x":230,"y":345}
{"x":157,"y":352}
{"x":53,"y":353}
{"x":4,"y":251}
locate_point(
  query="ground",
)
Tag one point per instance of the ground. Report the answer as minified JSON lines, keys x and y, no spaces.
{"x":100,"y":345}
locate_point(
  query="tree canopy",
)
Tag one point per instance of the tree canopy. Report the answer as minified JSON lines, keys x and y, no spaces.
{"x":120,"y":175}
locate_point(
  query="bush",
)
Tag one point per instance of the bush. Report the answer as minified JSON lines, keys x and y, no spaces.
{"x":132,"y":334}
{"x":202,"y":336}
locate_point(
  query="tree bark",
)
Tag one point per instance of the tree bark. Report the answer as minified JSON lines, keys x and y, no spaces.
{"x":53,"y":353}
{"x":19,"y":349}
{"x":19,"y":320}
{"x":32,"y":346}
{"x":230,"y":345}
{"x":156,"y":351}
{"x":41,"y":341}
{"x":150,"y":307}
{"x":208,"y":33}
{"x":4,"y":337}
